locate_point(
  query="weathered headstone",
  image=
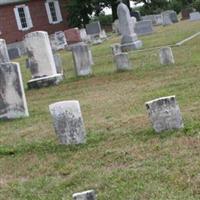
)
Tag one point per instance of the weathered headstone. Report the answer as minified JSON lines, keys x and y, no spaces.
{"x":115,"y":26}
{"x":72,"y":35}
{"x":4,"y":57}
{"x":116,"y":48}
{"x":12,"y":97}
{"x":41,"y":61}
{"x":144,"y":27}
{"x":93,"y":28}
{"x":103,"y":35}
{"x":158,"y":20}
{"x":126,"y":27}
{"x":84,"y":36}
{"x":166,"y":56}
{"x":194,"y":16}
{"x":87,"y":195}
{"x":165,"y":114}
{"x":14,"y":53}
{"x":68,"y":122}
{"x":60,"y":39}
{"x":122,"y":62}
{"x":82,"y":59}
{"x":166,"y":19}
{"x":58,"y":63}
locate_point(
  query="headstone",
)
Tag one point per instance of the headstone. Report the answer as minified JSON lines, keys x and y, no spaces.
{"x":72,"y":35}
{"x":185,"y":13}
{"x":84,"y":35}
{"x":95,"y":39}
{"x":166,"y":56}
{"x":58,"y":62}
{"x":115,"y":26}
{"x":166,"y":19}
{"x":68,"y":122}
{"x":173,"y":16}
{"x":93,"y":28}
{"x":87,"y":195}
{"x":194,"y":16}
{"x":165,"y":114}
{"x":40,"y":60}
{"x":144,"y":27}
{"x":60,"y":39}
{"x":4,"y":57}
{"x":158,"y":20}
{"x":126,"y":26}
{"x":14,"y":53}
{"x":103,"y":35}
{"x":82,"y":60}
{"x":12,"y":97}
{"x":122,"y":62}
{"x":116,"y":49}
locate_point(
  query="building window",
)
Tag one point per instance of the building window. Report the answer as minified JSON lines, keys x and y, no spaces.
{"x":23,"y":18}
{"x":53,"y":11}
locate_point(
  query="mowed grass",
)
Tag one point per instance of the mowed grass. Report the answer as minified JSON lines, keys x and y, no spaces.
{"x":123,"y":159}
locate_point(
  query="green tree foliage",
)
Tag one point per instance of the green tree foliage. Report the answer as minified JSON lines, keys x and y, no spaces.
{"x":196,"y":5}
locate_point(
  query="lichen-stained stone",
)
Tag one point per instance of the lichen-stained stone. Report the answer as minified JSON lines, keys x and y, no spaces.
{"x":165,"y":114}
{"x":122,"y":62}
{"x":12,"y":97}
{"x":87,"y":195}
{"x":166,"y":56}
{"x":68,"y":122}
{"x":41,"y":61}
{"x":82,"y":59}
{"x":4,"y":56}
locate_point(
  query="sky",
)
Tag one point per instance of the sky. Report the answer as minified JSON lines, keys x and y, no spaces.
{"x":108,"y":10}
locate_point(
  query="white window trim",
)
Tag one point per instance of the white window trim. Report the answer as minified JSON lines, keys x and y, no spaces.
{"x":27,"y":15}
{"x":58,"y":11}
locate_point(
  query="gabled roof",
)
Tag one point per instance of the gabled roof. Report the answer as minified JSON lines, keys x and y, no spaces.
{"x":5,"y":2}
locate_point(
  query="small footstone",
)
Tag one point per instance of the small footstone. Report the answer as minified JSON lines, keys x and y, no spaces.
{"x":166,"y":56}
{"x":87,"y":195}
{"x":165,"y":114}
{"x":122,"y":62}
{"x":68,"y":122}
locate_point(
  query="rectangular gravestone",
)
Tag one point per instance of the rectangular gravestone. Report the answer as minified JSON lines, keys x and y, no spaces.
{"x":144,"y":27}
{"x":72,"y":35}
{"x":14,"y":53}
{"x":194,"y":16}
{"x":60,"y":39}
{"x":93,"y":28}
{"x":12,"y":97}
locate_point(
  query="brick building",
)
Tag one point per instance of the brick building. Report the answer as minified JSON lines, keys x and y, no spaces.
{"x":19,"y":17}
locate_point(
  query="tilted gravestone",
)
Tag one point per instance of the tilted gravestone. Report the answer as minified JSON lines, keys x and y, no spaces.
{"x":87,"y":195}
{"x":82,"y":59}
{"x":166,"y":56}
{"x":4,"y":56}
{"x":122,"y":62}
{"x":12,"y":97}
{"x":144,"y":27}
{"x":165,"y":114}
{"x":41,"y":61}
{"x":14,"y":53}
{"x":126,"y":26}
{"x":68,"y":122}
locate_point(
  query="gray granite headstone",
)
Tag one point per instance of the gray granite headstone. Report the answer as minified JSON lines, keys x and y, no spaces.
{"x":12,"y":97}
{"x":165,"y":114}
{"x":194,"y":16}
{"x":93,"y":28}
{"x":122,"y":62}
{"x":68,"y":122}
{"x":14,"y":53}
{"x":166,"y":56}
{"x":82,"y":59}
{"x":144,"y":27}
{"x":126,"y":27}
{"x":87,"y":195}
{"x":4,"y":56}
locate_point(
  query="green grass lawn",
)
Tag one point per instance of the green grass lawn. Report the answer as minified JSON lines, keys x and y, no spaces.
{"x":123,"y":159}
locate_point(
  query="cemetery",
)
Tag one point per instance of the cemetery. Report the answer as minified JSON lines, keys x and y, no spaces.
{"x":87,"y":114}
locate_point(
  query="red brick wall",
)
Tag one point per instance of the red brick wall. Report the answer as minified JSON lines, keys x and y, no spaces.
{"x":8,"y":25}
